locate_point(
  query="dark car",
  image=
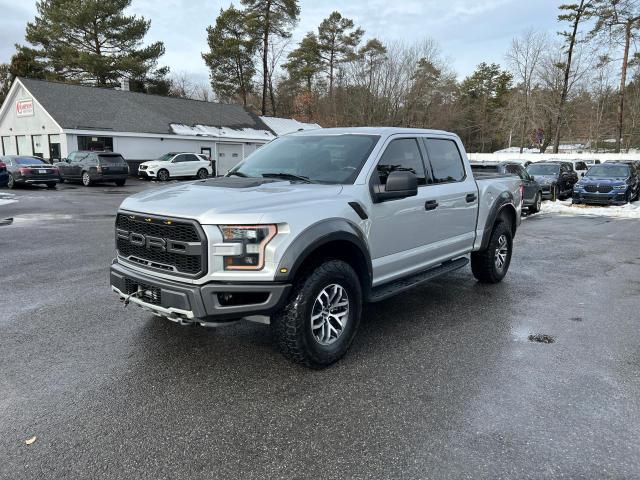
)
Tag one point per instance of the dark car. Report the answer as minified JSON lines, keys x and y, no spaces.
{"x":608,"y":184}
{"x":94,"y":167}
{"x":634,"y":163}
{"x":23,"y":170}
{"x":556,"y":179}
{"x":532,"y":192}
{"x":4,"y":175}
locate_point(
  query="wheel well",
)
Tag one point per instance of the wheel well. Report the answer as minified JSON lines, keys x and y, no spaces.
{"x":508,"y":214}
{"x":343,"y":250}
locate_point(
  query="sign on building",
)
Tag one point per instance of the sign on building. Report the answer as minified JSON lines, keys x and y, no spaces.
{"x":24,"y":108}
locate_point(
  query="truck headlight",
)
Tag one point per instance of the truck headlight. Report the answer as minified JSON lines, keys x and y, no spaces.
{"x":251,"y":240}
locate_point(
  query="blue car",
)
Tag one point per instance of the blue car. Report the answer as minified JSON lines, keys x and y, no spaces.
{"x":4,"y":175}
{"x":608,"y":184}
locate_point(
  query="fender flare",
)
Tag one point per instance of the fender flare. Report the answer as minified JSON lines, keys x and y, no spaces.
{"x":503,"y":202}
{"x":314,"y":237}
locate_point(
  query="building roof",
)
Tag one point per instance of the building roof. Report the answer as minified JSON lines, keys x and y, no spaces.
{"x":77,"y":107}
{"x":282,"y":126}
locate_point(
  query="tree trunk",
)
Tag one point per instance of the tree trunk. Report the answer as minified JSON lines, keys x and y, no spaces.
{"x":623,"y":82}
{"x":265,"y":53}
{"x":565,"y":85}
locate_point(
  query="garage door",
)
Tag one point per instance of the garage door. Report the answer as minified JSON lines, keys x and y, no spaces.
{"x":229,"y":155}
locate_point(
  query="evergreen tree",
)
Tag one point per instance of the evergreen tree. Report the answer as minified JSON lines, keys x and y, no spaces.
{"x":92,"y":41}
{"x":304,"y":62}
{"x":231,"y":55}
{"x":270,"y":19}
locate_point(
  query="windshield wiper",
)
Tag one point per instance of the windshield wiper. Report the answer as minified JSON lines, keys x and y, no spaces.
{"x":237,"y":174}
{"x":288,"y":176}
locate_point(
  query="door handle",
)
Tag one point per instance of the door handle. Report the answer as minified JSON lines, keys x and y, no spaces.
{"x":430,"y":205}
{"x":471,"y":197}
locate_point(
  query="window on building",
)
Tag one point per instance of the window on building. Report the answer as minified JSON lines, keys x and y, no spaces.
{"x":445,"y":159}
{"x":7,"y":147}
{"x":54,"y":148}
{"x":37,"y":145}
{"x":87,"y":142}
{"x":22,"y":143}
{"x":402,"y":155}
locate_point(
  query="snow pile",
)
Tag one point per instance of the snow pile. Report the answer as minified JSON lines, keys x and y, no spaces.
{"x":221,"y":132}
{"x":282,"y":126}
{"x":630,"y":210}
{"x":7,"y":198}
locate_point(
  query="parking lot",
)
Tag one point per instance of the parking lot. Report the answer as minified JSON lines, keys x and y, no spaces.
{"x":441,"y":382}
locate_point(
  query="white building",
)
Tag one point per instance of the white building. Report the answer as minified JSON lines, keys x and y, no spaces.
{"x":52,"y":119}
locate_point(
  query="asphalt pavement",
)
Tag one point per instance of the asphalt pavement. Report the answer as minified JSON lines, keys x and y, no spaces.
{"x":441,"y":382}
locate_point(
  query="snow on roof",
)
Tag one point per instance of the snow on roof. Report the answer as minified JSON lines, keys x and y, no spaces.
{"x":221,"y":132}
{"x":282,"y":126}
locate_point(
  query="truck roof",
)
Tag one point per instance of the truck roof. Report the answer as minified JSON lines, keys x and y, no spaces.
{"x":370,"y":131}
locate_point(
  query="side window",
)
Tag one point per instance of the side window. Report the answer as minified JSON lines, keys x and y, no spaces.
{"x":179,"y":158}
{"x":445,"y":159}
{"x":72,"y":156}
{"x":402,"y":154}
{"x":581,"y":166}
{"x":191,"y":158}
{"x":515,"y":170}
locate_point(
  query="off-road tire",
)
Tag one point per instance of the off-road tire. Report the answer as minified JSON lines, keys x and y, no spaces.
{"x":163,"y":175}
{"x":537,"y":201}
{"x":292,"y":325}
{"x":483,"y":262}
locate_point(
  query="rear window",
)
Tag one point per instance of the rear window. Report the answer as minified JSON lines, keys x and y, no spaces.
{"x":28,"y":161}
{"x":445,"y":159}
{"x":111,"y":159}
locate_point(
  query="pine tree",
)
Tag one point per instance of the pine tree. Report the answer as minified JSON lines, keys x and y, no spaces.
{"x":231,"y":55}
{"x":270,"y":19}
{"x":92,"y":41}
{"x":304,"y":63}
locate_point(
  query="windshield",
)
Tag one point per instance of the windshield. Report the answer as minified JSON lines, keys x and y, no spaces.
{"x":166,"y":157}
{"x":316,"y":158}
{"x":28,"y":161}
{"x":544,"y":169}
{"x":606,"y":171}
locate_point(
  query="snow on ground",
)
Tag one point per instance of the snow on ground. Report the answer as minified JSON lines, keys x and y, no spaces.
{"x":7,"y":198}
{"x":630,"y":210}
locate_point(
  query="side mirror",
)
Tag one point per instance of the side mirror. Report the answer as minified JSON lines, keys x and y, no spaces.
{"x":400,"y":184}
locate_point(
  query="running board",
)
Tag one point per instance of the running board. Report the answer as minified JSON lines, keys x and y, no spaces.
{"x":393,"y":288}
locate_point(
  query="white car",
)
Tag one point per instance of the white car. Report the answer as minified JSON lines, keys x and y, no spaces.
{"x":176,"y":165}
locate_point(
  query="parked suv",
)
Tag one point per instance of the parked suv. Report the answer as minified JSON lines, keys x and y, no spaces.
{"x":24,"y":170}
{"x":177,"y":164}
{"x":311,"y":226}
{"x":4,"y":175}
{"x":556,"y":179}
{"x":532,"y":192}
{"x":608,"y":184}
{"x":94,"y":167}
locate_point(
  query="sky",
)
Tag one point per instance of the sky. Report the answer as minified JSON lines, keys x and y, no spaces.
{"x":468,"y":31}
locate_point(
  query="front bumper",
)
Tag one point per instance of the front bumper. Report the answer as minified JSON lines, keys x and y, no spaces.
{"x":210,"y":302}
{"x":36,"y":179}
{"x":146,"y":174}
{"x":615,"y":197}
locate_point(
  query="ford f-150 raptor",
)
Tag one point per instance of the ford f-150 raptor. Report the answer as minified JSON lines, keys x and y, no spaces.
{"x":308,"y":228}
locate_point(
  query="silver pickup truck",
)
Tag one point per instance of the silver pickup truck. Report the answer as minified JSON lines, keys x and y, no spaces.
{"x":311,"y":226}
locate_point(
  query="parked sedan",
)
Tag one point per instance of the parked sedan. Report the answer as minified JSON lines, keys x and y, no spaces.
{"x":94,"y":167}
{"x":556,"y":179}
{"x":23,"y":170}
{"x":176,"y":164}
{"x":608,"y":184}
{"x":532,"y":191}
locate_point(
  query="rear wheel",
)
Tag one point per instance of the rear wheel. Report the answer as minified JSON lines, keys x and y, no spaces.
{"x":202,"y":174}
{"x":163,"y":175}
{"x":321,"y":319}
{"x":537,"y":204}
{"x":11,"y":182}
{"x":86,"y":179}
{"x":120,"y":183}
{"x":51,"y":185}
{"x":491,"y":264}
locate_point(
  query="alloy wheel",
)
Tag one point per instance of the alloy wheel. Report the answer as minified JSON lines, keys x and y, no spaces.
{"x":502,"y":251}
{"x":85,"y":179}
{"x":330,"y":314}
{"x":11,"y":181}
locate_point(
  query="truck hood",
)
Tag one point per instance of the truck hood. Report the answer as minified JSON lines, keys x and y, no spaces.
{"x":237,"y":201}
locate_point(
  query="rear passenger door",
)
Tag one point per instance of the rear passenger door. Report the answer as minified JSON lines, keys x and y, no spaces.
{"x":455,"y":194}
{"x":191,"y":164}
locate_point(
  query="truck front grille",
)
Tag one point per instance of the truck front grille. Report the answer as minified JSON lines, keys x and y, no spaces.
{"x":148,"y":242}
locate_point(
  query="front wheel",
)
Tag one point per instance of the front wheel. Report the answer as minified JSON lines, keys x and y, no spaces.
{"x":321,"y":318}
{"x":163,"y":175}
{"x":491,"y":264}
{"x":202,"y":174}
{"x":86,"y":179}
{"x":11,"y":182}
